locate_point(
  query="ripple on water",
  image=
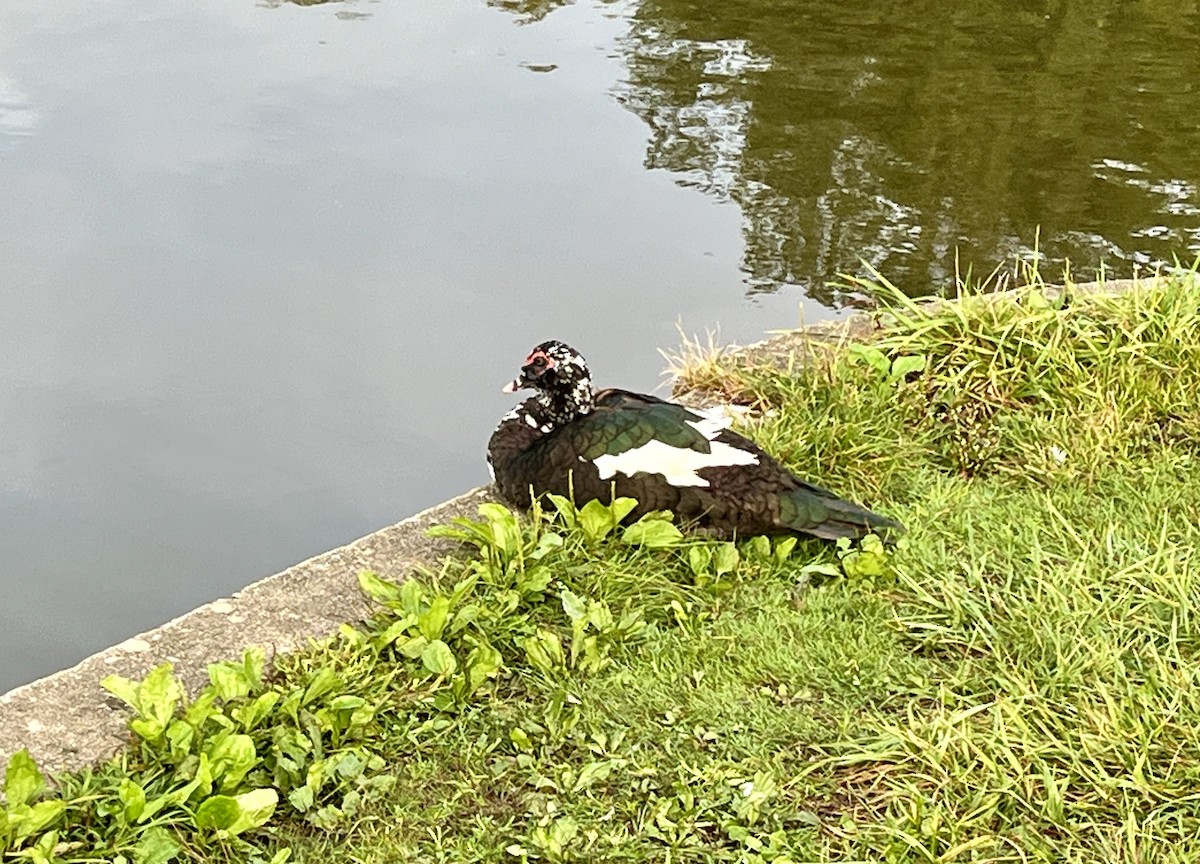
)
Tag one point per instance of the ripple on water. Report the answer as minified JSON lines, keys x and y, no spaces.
{"x":18,"y":117}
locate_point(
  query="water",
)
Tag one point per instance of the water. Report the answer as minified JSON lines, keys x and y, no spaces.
{"x":263,"y":268}
{"x":903,"y":134}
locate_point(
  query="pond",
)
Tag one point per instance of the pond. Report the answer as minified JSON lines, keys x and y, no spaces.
{"x":265,"y":266}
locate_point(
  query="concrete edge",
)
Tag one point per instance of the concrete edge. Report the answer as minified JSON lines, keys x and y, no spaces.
{"x":67,"y":721}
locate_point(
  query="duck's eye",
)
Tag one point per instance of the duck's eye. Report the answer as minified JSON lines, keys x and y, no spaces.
{"x":539,"y":362}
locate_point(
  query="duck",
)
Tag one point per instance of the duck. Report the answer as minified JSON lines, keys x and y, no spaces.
{"x":572,"y":440}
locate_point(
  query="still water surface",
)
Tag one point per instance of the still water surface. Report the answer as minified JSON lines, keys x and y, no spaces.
{"x":264,"y":267}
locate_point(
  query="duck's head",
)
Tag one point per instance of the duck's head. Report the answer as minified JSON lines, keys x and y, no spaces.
{"x":561,"y":378}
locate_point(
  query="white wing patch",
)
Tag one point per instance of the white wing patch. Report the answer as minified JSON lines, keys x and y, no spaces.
{"x":678,"y":464}
{"x":712,"y":421}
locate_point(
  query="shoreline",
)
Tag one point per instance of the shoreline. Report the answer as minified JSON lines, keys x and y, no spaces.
{"x":67,"y":721}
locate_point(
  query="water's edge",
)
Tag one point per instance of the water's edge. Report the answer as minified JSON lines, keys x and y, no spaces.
{"x":67,"y":721}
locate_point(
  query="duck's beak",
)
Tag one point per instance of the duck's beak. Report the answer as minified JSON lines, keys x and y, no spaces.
{"x":516,"y":384}
{"x":529,"y":379}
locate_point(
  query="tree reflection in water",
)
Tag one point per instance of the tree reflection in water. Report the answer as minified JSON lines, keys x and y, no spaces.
{"x":904,"y":134}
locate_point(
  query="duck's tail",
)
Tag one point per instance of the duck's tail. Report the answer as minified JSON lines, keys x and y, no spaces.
{"x":819,"y":513}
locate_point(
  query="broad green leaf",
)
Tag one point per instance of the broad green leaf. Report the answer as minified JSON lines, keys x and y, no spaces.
{"x":432,"y":622}
{"x":546,"y":543}
{"x":483,"y":662}
{"x":573,"y":605}
{"x":157,"y":846}
{"x":725,"y":558}
{"x":377,"y":589}
{"x":394,"y":631}
{"x":504,"y":526}
{"x":180,"y":735}
{"x":156,"y":700}
{"x":228,"y":680}
{"x":219,"y":812}
{"x":122,"y":688}
{"x":438,"y":658}
{"x":532,"y":581}
{"x":22,"y":780}
{"x":301,"y":798}
{"x":544,"y":651}
{"x":464,"y":616}
{"x":255,"y":712}
{"x":566,"y":510}
{"x":231,"y":758}
{"x":873,"y":544}
{"x":347,"y":703}
{"x":596,"y":520}
{"x":902,"y":366}
{"x":412,"y":597}
{"x":699,"y":559}
{"x":348,"y":765}
{"x":201,"y":709}
{"x":147,"y":729}
{"x":255,"y":808}
{"x":592,"y":772}
{"x":562,"y":831}
{"x":25,"y":821}
{"x":160,"y":694}
{"x":322,"y":683}
{"x":622,"y":507}
{"x":758,"y":548}
{"x":653,"y":534}
{"x":520,"y":738}
{"x":600,"y":616}
{"x":198,"y":787}
{"x":870,"y":355}
{"x":39,"y":817}
{"x":235,"y":815}
{"x":829,"y":570}
{"x":412,"y":648}
{"x":254,"y":662}
{"x":133,"y":797}
{"x":784,"y":547}
{"x":494,"y":512}
{"x":860,"y":564}
{"x":42,"y":852}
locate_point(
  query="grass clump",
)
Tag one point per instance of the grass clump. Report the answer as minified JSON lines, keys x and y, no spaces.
{"x":1046,"y":452}
{"x":1015,"y":681}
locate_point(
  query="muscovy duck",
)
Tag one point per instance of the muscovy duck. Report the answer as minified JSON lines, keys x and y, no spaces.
{"x":571,"y":439}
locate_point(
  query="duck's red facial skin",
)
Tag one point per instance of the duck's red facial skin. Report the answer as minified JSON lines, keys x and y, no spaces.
{"x":537,"y":364}
{"x":556,"y":371}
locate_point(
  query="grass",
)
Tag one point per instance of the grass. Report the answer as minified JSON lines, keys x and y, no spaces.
{"x":1015,"y":681}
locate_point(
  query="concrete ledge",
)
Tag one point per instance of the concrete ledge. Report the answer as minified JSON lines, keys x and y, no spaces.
{"x":67,"y":721}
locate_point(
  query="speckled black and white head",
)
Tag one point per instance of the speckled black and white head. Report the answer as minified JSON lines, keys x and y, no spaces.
{"x":561,"y":378}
